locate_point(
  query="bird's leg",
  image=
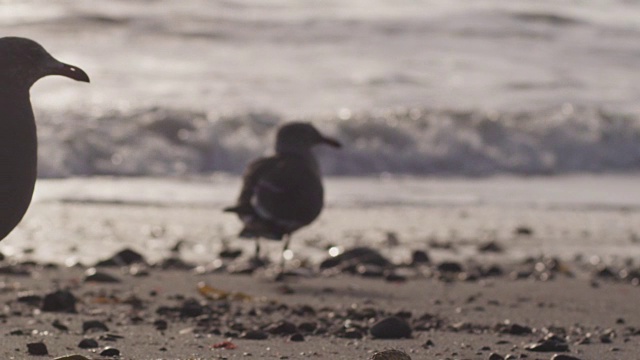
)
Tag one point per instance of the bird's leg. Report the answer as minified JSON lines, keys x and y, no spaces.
{"x":256,"y":257}
{"x":287,"y":239}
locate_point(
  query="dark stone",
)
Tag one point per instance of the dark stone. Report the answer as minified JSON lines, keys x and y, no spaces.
{"x":191,"y":308}
{"x":161,"y":325}
{"x":110,"y":352}
{"x":391,"y":327}
{"x":495,"y":356}
{"x":391,"y":355}
{"x":550,"y":343}
{"x":88,"y":344}
{"x":123,"y":258}
{"x":523,"y":230}
{"x":450,"y":267}
{"x":175,"y":263}
{"x":297,"y":337}
{"x":513,"y":329}
{"x":254,"y":335}
{"x":490,"y":246}
{"x":230,"y":253}
{"x":358,"y":255}
{"x":308,"y":327}
{"x":428,"y":344}
{"x":91,"y":275}
{"x":59,"y":325}
{"x":30,"y":299}
{"x":351,"y":334}
{"x":420,"y":257}
{"x":282,"y":328}
{"x":59,"y":301}
{"x":94,"y":325}
{"x":39,"y":349}
{"x":564,"y":357}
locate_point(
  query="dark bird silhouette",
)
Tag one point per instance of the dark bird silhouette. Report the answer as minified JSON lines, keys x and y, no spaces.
{"x":22,"y":63}
{"x":282,"y":193}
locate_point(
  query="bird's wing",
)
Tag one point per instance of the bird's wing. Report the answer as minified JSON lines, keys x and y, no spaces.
{"x":252,"y":175}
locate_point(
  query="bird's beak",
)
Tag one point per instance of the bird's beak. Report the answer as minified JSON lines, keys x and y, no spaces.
{"x":331,"y":142}
{"x":70,"y":71}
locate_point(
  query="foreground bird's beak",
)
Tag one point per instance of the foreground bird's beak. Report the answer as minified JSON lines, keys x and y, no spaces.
{"x":69,"y":71}
{"x":331,"y":142}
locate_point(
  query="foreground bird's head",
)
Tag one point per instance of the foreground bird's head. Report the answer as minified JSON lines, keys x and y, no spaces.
{"x":24,"y":61}
{"x":300,"y":136}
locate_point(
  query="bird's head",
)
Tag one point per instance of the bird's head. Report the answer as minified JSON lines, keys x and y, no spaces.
{"x":301,"y":136}
{"x":24,"y":61}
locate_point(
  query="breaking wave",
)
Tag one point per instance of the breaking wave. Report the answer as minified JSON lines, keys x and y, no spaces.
{"x":164,"y":142}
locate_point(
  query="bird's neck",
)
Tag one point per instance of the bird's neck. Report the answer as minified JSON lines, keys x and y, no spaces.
{"x":305,"y":154}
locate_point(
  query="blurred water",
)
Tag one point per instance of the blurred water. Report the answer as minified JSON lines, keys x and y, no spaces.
{"x":413,"y":87}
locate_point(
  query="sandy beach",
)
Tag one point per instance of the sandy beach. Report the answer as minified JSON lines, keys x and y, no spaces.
{"x":557,"y":265}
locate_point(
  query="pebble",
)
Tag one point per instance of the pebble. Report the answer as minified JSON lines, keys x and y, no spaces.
{"x":110,"y":352}
{"x":123,"y":258}
{"x":59,"y":301}
{"x":94,"y":325}
{"x":550,"y":343}
{"x":38,"y":348}
{"x":282,"y":328}
{"x":450,"y":266}
{"x":420,"y":257}
{"x":254,"y":335}
{"x":93,"y":275}
{"x":563,"y":357}
{"x":391,"y":355}
{"x":495,"y":356}
{"x":297,"y":337}
{"x":88,"y":344}
{"x":391,"y":327}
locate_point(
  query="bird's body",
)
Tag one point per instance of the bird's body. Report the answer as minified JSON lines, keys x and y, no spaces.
{"x":284,"y":192}
{"x":22,"y":63}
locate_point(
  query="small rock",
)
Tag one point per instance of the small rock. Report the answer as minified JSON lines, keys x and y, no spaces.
{"x":59,"y":301}
{"x":351,"y":334}
{"x":94,"y":325}
{"x":490,"y":246}
{"x":523,"y":230}
{"x":88,"y":344}
{"x":282,"y":328}
{"x":420,"y":257}
{"x":93,"y":275}
{"x":110,"y":352}
{"x":30,"y":298}
{"x":391,"y":327}
{"x":191,"y":308}
{"x":391,"y":355}
{"x":230,"y":253}
{"x":550,"y":343}
{"x":38,"y":348}
{"x":297,"y":337}
{"x":495,"y":356}
{"x":161,"y":325}
{"x":428,"y":344}
{"x":123,"y":258}
{"x":59,"y":325}
{"x":450,"y":266}
{"x":254,"y":335}
{"x":563,"y":357}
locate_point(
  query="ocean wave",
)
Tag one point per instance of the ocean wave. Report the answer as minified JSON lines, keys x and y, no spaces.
{"x":168,"y":142}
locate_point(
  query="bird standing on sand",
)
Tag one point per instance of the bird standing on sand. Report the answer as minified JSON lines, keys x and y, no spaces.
{"x":22,"y":63}
{"x":282,"y":193}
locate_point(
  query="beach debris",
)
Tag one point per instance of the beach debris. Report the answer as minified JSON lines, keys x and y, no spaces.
{"x":523,"y":230}
{"x":213,"y":293}
{"x":227,"y":345}
{"x":563,"y":357}
{"x":93,"y":275}
{"x":490,"y":246}
{"x":88,"y":343}
{"x":123,"y":258}
{"x":549,"y":343}
{"x":495,"y":356}
{"x":37,"y":348}
{"x":392,"y":354}
{"x":161,"y":325}
{"x":93,"y":325}
{"x":449,"y":267}
{"x":282,"y":327}
{"x":59,"y":325}
{"x":59,"y":301}
{"x":192,"y":308}
{"x":29,"y":298}
{"x":420,"y":257}
{"x":109,"y":351}
{"x":428,"y":344}
{"x":349,"y":260}
{"x":391,"y":327}
{"x":254,"y":335}
{"x":297,"y":337}
{"x":72,"y":357}
{"x":507,"y":327}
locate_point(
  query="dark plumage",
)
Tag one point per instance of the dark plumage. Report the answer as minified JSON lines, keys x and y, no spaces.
{"x":282,"y":193}
{"x":22,"y":63}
